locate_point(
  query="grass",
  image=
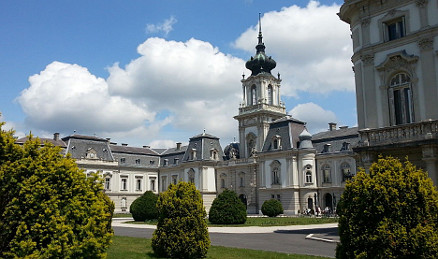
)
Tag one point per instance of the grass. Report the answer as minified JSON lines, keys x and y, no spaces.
{"x":132,"y":247}
{"x":265,"y":222}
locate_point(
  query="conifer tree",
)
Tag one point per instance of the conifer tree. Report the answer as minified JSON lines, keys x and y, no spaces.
{"x":182,"y":228}
{"x":48,"y":208}
{"x":392,"y":212}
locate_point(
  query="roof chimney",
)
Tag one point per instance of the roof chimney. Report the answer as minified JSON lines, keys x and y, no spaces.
{"x":146,"y":147}
{"x":56,"y":136}
{"x":332,"y":126}
{"x":343,"y":127}
{"x":124,"y":144}
{"x":178,"y":145}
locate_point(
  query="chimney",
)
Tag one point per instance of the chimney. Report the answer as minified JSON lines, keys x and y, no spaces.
{"x":332,"y":126}
{"x":108,"y":139}
{"x":343,"y":127}
{"x":146,"y":146}
{"x":56,"y":136}
{"x":124,"y":144}
{"x":178,"y":145}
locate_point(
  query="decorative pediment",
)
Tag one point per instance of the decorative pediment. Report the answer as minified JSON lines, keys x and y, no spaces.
{"x":398,"y":61}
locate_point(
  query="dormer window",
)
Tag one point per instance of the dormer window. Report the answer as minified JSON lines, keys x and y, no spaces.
{"x":193,"y":154}
{"x":176,"y":161}
{"x":276,"y":142}
{"x":213,"y":154}
{"x":91,"y":153}
{"x":137,"y":161}
{"x":166,"y":162}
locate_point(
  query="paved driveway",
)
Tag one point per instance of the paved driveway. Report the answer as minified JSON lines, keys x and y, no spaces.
{"x":288,"y":239}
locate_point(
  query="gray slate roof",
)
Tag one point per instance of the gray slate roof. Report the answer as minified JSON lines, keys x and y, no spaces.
{"x":78,"y":146}
{"x":336,"y":139}
{"x":288,"y":129}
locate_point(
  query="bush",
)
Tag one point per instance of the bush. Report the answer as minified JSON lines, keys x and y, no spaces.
{"x":227,"y":208}
{"x":272,"y":208}
{"x":48,"y":208}
{"x":392,"y":212}
{"x":145,"y":207}
{"x":182,"y":229}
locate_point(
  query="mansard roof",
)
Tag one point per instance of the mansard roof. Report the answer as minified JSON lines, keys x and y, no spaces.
{"x":55,"y":142}
{"x":287,"y":129}
{"x":79,"y":146}
{"x":334,"y":140}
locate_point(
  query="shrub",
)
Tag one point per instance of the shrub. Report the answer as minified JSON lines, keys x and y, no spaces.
{"x":182,"y":229}
{"x":48,"y":208}
{"x":145,"y":207}
{"x":227,"y":208}
{"x":272,"y":208}
{"x":392,"y":212}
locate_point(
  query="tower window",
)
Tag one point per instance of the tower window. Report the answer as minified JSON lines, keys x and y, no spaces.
{"x":270,"y":95}
{"x":253,"y":95}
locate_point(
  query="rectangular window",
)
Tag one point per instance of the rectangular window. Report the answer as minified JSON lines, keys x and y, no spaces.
{"x":152,"y":183}
{"x":163,"y":183}
{"x":107,"y":183}
{"x":138,"y":182}
{"x":395,"y":29}
{"x":174,"y":179}
{"x":326,"y":174}
{"x":122,"y":160}
{"x":151,"y":162}
{"x":278,"y":197}
{"x":124,"y":184}
{"x":176,"y":161}
{"x":137,"y":161}
{"x":241,"y":181}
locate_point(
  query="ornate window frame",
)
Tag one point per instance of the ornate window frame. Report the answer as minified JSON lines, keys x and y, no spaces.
{"x":397,"y":63}
{"x":394,"y":16}
{"x":326,"y":173}
{"x":275,"y":172}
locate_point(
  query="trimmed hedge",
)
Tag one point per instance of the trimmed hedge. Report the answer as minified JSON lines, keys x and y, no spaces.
{"x":272,"y":208}
{"x":182,"y":228}
{"x":227,"y":208}
{"x":390,"y":212}
{"x":145,"y":207}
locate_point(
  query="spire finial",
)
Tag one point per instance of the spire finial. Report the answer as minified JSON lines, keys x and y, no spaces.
{"x":260,"y":29}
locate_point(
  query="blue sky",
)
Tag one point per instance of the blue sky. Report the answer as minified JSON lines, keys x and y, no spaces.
{"x":159,"y":72}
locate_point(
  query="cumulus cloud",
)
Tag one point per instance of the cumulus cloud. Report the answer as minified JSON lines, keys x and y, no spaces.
{"x":164,"y":27}
{"x":311,"y":46}
{"x":316,"y":117}
{"x":194,"y":81}
{"x":65,"y":97}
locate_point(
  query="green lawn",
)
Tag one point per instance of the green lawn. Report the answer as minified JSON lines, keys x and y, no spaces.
{"x":263,"y":221}
{"x":131,"y":247}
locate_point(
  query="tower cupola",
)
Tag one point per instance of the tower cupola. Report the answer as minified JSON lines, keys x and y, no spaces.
{"x":260,"y":63}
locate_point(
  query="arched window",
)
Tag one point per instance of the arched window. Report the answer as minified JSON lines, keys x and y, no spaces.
{"x":346,"y":172}
{"x":270,"y":95}
{"x":251,"y":143}
{"x":401,"y":94}
{"x":191,"y":175}
{"x":253,"y":95}
{"x":326,"y":174}
{"x":276,"y":142}
{"x":213,"y":154}
{"x":275,"y":172}
{"x":308,"y":174}
{"x":223,"y":177}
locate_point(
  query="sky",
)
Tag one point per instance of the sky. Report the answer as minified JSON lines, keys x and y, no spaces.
{"x":149,"y":72}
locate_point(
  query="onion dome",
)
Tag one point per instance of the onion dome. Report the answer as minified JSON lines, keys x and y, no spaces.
{"x":260,"y":63}
{"x":305,"y":139}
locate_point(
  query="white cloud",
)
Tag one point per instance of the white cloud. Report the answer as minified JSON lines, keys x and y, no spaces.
{"x":66,"y":97}
{"x":311,"y":45}
{"x":192,"y":80}
{"x":165,"y":27}
{"x":316,"y":117}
